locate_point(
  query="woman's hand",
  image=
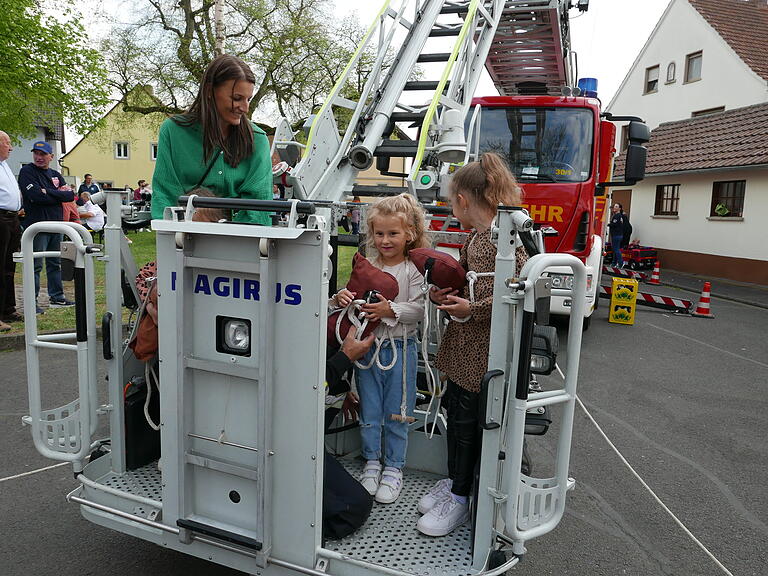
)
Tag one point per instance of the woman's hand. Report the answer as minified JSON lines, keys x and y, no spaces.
{"x":438,"y":295}
{"x":344,"y":297}
{"x":455,"y":306}
{"x":378,"y":310}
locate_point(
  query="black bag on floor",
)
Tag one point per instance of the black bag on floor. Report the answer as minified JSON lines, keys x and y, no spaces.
{"x":346,"y":504}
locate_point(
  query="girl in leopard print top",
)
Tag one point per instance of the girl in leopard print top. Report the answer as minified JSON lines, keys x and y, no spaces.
{"x":475,"y":190}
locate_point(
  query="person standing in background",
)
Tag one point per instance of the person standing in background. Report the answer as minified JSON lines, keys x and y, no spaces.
{"x":88,"y":186}
{"x":44,"y":191}
{"x":616,"y":228}
{"x":10,"y":235}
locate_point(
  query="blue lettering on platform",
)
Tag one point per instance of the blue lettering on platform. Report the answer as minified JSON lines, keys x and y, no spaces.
{"x":241,"y":288}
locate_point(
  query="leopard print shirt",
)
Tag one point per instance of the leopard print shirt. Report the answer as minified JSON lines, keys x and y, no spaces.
{"x":463,"y":353}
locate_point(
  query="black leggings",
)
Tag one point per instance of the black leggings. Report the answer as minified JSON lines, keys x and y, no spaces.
{"x":463,"y":437}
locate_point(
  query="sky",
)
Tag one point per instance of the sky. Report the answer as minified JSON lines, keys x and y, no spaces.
{"x":607,"y":38}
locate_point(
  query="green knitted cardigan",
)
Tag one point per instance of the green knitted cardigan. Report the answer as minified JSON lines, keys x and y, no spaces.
{"x":180,"y":165}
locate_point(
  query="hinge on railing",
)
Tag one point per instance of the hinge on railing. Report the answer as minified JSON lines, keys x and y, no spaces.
{"x":104,"y":409}
{"x":322,"y":565}
{"x":497,"y":496}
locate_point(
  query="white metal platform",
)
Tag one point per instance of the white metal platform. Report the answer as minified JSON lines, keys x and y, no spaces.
{"x":389,"y":538}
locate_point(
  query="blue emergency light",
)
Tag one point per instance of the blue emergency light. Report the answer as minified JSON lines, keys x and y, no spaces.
{"x":588,"y":87}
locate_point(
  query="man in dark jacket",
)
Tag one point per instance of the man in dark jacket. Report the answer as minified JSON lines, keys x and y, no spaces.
{"x":44,"y":190}
{"x":616,"y":228}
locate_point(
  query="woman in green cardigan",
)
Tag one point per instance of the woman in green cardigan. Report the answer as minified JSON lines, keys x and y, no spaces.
{"x":214,"y":145}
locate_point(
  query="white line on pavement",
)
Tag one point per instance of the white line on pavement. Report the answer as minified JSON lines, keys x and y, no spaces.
{"x":739,"y":356}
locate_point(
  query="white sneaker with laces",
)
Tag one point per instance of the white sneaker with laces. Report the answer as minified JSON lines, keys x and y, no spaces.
{"x":435,"y":494}
{"x":371,"y":476}
{"x":390,"y":485}
{"x":444,"y":518}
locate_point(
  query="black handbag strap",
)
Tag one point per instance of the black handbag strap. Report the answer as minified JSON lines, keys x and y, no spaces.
{"x":208,"y":168}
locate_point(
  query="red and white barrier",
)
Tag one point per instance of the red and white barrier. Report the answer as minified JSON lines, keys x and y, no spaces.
{"x":702,"y":308}
{"x":655,"y":301}
{"x":623,"y":272}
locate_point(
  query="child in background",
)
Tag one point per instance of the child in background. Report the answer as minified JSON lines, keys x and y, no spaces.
{"x":475,"y":190}
{"x":394,"y":226}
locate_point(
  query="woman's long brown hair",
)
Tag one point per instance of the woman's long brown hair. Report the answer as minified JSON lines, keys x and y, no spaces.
{"x":239,"y":143}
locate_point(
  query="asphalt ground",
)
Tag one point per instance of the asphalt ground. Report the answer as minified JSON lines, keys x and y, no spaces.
{"x":682,"y":398}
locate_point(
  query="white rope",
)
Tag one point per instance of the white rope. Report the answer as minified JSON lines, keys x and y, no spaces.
{"x":472,"y":278}
{"x":434,"y":385}
{"x":147,"y":373}
{"x":647,"y":487}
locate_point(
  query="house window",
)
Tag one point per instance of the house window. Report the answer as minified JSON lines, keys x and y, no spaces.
{"x":153,"y":151}
{"x":707,"y":111}
{"x":667,"y":199}
{"x":624,"y":137}
{"x":670,"y":73}
{"x":651,"y":79}
{"x":728,"y":198}
{"x":693,"y":67}
{"x":121,"y":150}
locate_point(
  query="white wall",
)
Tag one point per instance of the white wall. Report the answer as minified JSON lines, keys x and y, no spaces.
{"x":692,"y":231}
{"x":22,"y":152}
{"x":725,"y":79}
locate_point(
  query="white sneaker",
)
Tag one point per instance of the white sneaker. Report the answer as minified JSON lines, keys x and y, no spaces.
{"x":444,"y":518}
{"x":371,"y":476}
{"x":390,"y":485}
{"x":439,"y":491}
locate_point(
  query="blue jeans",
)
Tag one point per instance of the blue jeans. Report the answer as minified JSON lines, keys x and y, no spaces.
{"x":47,"y":242}
{"x":616,"y":247}
{"x":381,"y":393}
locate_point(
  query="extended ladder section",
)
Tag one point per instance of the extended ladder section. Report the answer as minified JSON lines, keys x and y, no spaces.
{"x":531,"y":49}
{"x":333,"y":156}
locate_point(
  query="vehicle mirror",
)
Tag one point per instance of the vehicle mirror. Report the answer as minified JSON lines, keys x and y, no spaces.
{"x":544,"y":349}
{"x":634,"y":169}
{"x":638,"y":133}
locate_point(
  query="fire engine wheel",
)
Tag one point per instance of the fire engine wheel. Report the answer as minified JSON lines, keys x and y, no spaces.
{"x":633,"y":265}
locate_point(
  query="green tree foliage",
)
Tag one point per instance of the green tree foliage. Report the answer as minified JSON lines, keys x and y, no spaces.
{"x":47,"y":70}
{"x":295,"y":48}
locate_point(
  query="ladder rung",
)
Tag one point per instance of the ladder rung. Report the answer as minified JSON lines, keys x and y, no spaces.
{"x":407,"y":116}
{"x":397,"y":149}
{"x":423,"y":85}
{"x":454,"y":9}
{"x":436,"y":57}
{"x":439,"y":32}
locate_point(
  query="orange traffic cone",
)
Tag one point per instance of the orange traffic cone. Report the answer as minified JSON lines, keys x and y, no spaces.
{"x":702,"y":308}
{"x":655,"y":276}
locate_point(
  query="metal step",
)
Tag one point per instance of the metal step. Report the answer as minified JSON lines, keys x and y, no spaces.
{"x":441,"y":32}
{"x":455,"y":9}
{"x":397,"y":149}
{"x":436,"y":57}
{"x":423,"y":85}
{"x":408,"y":116}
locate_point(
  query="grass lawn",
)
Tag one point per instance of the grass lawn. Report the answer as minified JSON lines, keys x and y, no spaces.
{"x":143,"y":249}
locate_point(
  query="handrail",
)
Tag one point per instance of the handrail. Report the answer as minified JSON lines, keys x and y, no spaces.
{"x":469,"y":21}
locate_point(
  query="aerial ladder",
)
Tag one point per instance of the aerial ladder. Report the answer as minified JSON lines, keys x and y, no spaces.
{"x":524,"y":45}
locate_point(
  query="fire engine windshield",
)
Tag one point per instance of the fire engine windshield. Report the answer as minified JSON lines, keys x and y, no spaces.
{"x":547,"y":144}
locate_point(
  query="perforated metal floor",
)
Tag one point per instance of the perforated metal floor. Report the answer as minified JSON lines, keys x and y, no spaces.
{"x":389,"y":537}
{"x":145,"y":481}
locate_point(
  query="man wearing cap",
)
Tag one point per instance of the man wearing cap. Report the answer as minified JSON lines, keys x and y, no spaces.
{"x":44,"y":190}
{"x":10,"y":234}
